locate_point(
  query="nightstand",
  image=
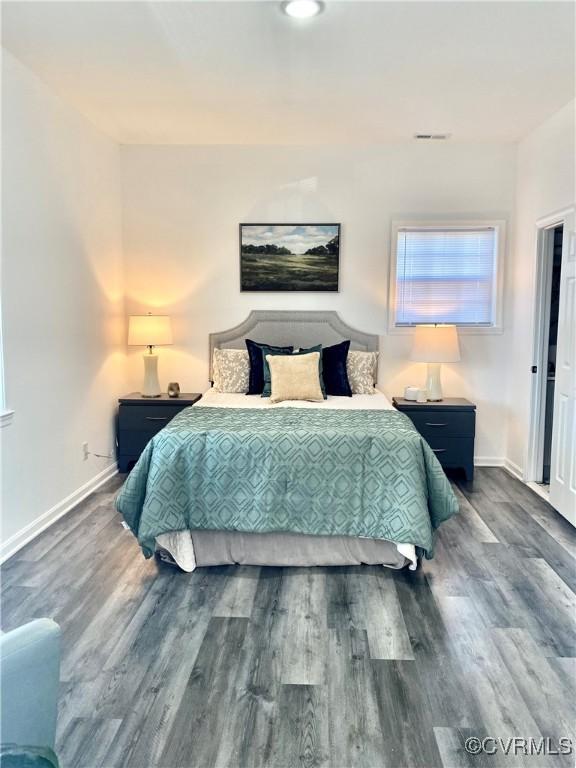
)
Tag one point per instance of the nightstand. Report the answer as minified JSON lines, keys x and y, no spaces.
{"x":448,"y":426}
{"x":140,"y":418}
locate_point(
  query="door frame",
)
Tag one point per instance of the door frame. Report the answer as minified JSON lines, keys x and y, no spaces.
{"x":544,"y":262}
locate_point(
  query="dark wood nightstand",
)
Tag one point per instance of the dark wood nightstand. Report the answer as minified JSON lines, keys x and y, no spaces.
{"x":448,"y":426}
{"x":140,"y":418}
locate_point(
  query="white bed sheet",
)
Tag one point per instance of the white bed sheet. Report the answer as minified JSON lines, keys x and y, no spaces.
{"x":378,"y":402}
{"x":180,"y":544}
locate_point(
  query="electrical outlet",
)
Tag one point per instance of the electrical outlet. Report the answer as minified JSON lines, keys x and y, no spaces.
{"x":85,"y":451}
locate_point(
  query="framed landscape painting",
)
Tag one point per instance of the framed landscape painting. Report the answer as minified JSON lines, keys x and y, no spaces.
{"x":289,"y":257}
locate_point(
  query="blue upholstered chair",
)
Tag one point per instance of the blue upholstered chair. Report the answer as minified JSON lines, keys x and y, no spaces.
{"x":29,"y":677}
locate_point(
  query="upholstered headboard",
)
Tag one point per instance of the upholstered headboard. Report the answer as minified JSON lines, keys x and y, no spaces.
{"x":299,"y":328}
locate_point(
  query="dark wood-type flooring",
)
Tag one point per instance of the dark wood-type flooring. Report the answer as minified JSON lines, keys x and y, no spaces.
{"x":334,"y":667}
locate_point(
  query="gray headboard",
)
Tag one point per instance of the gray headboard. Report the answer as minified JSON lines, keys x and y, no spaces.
{"x":299,"y":328}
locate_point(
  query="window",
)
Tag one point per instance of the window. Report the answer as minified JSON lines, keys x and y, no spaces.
{"x":446,"y":274}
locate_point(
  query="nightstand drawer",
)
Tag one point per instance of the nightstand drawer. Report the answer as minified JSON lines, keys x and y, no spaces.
{"x":450,"y":450}
{"x":448,"y":427}
{"x":132,"y":442}
{"x":437,"y":425}
{"x":147,"y":417}
{"x":140,"y":418}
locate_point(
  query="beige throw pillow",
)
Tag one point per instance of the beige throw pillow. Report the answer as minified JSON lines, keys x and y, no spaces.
{"x":361,"y":369}
{"x":230,"y":370}
{"x":295,"y":377}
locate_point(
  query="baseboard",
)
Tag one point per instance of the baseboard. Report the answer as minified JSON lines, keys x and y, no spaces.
{"x":499,"y":461}
{"x":514,"y":469}
{"x":489,"y":461}
{"x":18,"y":540}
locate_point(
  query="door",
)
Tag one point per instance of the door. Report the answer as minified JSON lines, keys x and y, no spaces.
{"x":563,"y":463}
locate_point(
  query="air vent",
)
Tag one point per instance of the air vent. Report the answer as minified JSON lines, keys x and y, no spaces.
{"x":431,"y":136}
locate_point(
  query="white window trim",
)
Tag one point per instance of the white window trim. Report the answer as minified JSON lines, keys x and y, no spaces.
{"x":6,"y":414}
{"x":498,"y":224}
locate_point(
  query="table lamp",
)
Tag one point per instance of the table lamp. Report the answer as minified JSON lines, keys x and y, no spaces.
{"x":435,"y":344}
{"x":150,"y":331}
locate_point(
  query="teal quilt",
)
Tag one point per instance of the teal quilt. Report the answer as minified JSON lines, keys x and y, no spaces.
{"x":319,"y":471}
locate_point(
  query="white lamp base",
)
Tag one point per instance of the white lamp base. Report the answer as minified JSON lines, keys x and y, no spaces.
{"x":151,"y":386}
{"x":433,"y":384}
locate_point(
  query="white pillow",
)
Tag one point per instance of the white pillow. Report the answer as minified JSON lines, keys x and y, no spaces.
{"x":361,"y":368}
{"x":230,"y":370}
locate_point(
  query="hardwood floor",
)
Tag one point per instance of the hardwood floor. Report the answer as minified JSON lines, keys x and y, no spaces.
{"x":340,"y":667}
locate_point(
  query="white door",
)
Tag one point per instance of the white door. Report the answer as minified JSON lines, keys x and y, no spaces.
{"x":563,"y":463}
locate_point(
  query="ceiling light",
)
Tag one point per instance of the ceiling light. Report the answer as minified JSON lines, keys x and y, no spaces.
{"x":302,"y":9}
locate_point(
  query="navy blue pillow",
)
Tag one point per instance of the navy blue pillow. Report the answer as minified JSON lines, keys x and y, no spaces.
{"x":334,"y":369}
{"x":256,"y":377}
{"x":267,"y":390}
{"x":302,"y":351}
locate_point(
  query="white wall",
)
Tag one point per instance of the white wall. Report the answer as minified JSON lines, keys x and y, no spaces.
{"x":545,"y":185}
{"x":71,"y":191}
{"x":62,"y":300}
{"x":182,"y":207}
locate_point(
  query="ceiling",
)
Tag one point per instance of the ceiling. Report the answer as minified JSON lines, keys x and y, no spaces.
{"x":244,"y":73}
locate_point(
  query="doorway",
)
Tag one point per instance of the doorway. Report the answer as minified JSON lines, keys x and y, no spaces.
{"x":553,"y":303}
{"x":551,"y":466}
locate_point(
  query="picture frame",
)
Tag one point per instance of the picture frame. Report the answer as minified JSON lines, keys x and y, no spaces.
{"x":289,"y":257}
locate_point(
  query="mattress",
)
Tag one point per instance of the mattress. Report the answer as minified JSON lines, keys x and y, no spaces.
{"x":377,"y":401}
{"x":190,"y":549}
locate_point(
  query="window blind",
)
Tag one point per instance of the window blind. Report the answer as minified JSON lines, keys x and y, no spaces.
{"x":446,"y":275}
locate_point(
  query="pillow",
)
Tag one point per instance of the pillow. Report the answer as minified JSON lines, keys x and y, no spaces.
{"x":361,"y":370}
{"x":230,"y":370}
{"x":267,"y":351}
{"x":256,"y":379}
{"x":317,"y":348}
{"x":334,"y":369}
{"x":295,"y":377}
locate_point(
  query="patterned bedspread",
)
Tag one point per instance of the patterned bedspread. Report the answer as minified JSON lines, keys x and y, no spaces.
{"x":364,"y":473}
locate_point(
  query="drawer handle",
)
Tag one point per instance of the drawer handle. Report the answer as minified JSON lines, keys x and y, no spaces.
{"x":156,"y":418}
{"x":436,"y":424}
{"x":438,"y":450}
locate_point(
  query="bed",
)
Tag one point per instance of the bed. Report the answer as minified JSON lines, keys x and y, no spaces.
{"x":234,"y":479}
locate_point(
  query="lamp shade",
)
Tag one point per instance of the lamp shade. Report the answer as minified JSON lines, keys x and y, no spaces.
{"x":149,"y":330}
{"x":435,"y":344}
